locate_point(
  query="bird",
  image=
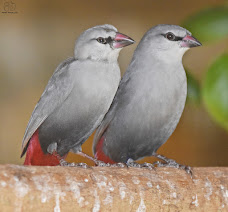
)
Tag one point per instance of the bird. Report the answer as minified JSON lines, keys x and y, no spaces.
{"x":76,"y":98}
{"x":150,"y":99}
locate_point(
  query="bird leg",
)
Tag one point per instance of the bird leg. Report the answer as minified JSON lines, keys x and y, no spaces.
{"x":171,"y":163}
{"x":83,"y":165}
{"x":62,"y":162}
{"x":97,"y":162}
{"x":78,"y":150}
{"x":52,"y":149}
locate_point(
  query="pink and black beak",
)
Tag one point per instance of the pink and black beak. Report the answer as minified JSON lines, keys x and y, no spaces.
{"x":189,"y":41}
{"x":121,"y":41}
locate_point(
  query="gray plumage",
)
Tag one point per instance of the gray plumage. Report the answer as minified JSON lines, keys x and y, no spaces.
{"x":78,"y":95}
{"x":150,"y":98}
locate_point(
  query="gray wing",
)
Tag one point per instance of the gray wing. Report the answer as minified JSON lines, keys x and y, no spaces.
{"x":57,"y":90}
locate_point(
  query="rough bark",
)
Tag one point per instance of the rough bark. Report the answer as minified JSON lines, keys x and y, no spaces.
{"x":112,"y":189}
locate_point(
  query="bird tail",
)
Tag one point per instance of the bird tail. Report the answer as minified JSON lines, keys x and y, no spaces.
{"x":99,"y":154}
{"x":36,"y":157}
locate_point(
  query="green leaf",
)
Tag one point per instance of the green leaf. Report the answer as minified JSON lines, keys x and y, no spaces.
{"x":215,"y":91}
{"x":209,"y":25}
{"x":193,"y":89}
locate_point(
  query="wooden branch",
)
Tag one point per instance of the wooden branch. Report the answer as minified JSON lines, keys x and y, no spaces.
{"x":112,"y":189}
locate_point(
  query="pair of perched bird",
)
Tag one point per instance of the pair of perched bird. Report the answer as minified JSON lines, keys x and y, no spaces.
{"x":133,"y":117}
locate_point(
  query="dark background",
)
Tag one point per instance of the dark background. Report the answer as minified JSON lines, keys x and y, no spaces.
{"x":38,"y":35}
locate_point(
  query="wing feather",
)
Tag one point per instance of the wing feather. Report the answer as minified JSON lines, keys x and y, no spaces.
{"x":57,"y":90}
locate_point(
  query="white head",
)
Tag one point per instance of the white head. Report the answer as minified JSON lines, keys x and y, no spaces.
{"x":168,"y":42}
{"x":101,"y":43}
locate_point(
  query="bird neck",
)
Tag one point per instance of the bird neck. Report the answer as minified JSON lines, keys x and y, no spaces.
{"x":107,"y":57}
{"x":156,"y":54}
{"x":167,"y":57}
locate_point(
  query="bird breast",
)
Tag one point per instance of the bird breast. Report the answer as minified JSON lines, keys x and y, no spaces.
{"x":158,"y":102}
{"x":94,"y":89}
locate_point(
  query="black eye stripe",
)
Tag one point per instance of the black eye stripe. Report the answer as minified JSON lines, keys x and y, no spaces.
{"x":104,"y":40}
{"x":109,"y":39}
{"x":177,"y":38}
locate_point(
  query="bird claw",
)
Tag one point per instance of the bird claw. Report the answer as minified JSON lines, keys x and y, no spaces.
{"x":149,"y":166}
{"x":172,"y":163}
{"x":132,"y":163}
{"x":63,"y":162}
{"x":119,"y":165}
{"x":101,"y":163}
{"x":81,"y":165}
{"x":188,"y":170}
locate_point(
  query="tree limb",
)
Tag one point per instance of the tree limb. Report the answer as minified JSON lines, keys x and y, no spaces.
{"x":34,"y":188}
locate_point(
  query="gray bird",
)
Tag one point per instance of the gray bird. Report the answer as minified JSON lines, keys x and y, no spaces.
{"x":150,"y":98}
{"x":76,"y":98}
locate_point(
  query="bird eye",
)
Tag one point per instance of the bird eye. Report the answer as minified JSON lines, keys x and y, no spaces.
{"x":101,"y":40}
{"x":170,"y":36}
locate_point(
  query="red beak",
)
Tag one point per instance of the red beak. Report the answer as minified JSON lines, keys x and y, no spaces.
{"x":122,"y":40}
{"x":189,"y":41}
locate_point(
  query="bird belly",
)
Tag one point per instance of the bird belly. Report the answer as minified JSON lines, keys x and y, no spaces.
{"x":146,"y":123}
{"x":156,"y":127}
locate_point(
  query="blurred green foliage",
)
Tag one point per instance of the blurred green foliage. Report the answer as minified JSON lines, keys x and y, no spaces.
{"x":209,"y":25}
{"x":215,"y":91}
{"x":193,"y":89}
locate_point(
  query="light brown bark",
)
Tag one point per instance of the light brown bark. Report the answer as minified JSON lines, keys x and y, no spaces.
{"x":112,"y":189}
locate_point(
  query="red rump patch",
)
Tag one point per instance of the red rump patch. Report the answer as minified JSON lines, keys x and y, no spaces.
{"x":100,"y":154}
{"x":35,"y":155}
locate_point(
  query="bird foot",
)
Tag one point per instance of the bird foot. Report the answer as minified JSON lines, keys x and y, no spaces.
{"x":97,"y":162}
{"x":149,"y":166}
{"x":102,"y":164}
{"x":119,"y":165}
{"x":171,"y":163}
{"x":81,"y":165}
{"x":132,"y":163}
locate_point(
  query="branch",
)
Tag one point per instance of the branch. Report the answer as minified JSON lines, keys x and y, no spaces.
{"x":112,"y":189}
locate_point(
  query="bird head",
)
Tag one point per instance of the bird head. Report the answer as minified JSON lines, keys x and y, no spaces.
{"x":169,"y":42}
{"x":101,"y":43}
